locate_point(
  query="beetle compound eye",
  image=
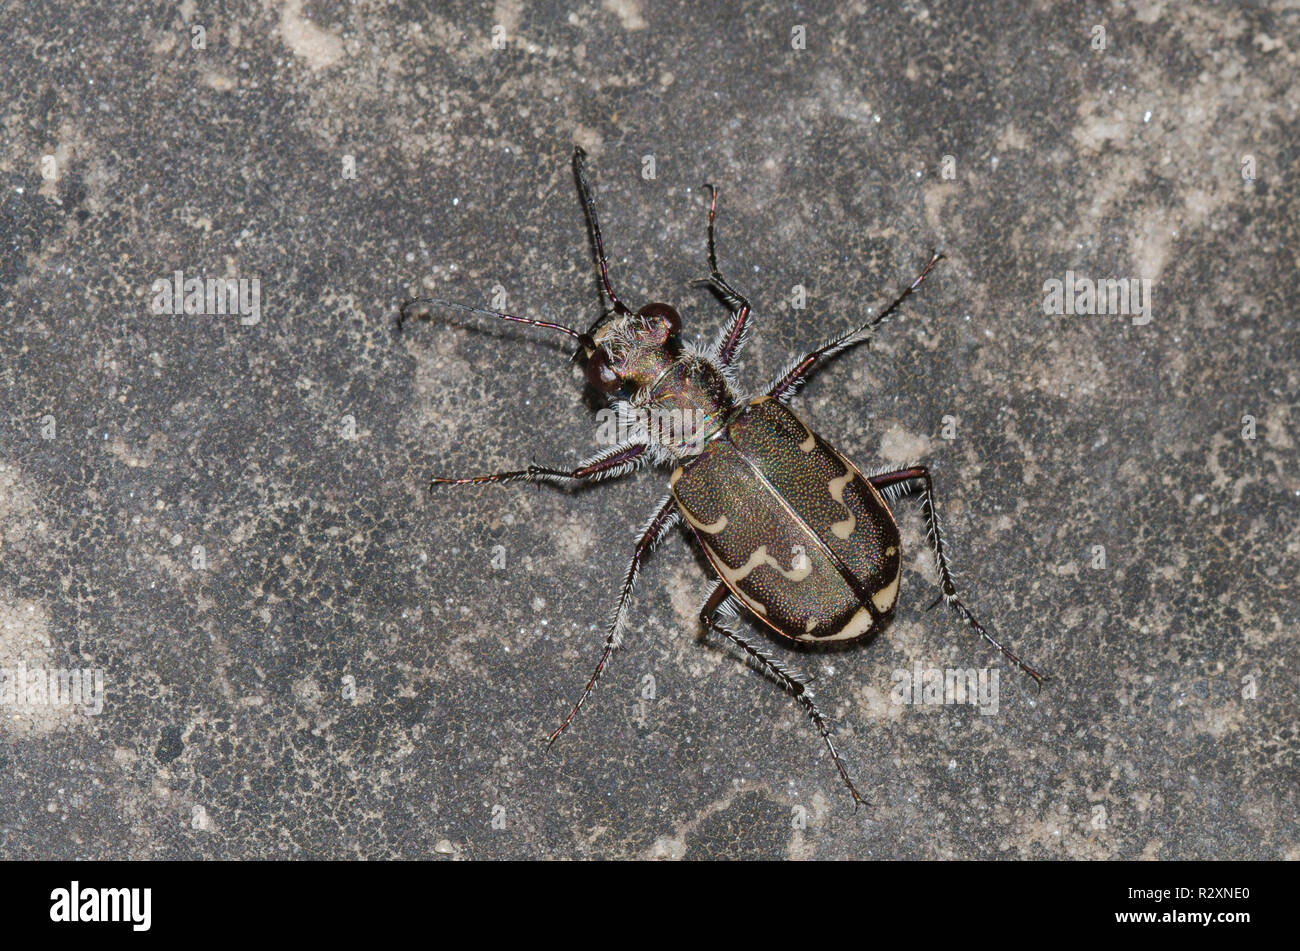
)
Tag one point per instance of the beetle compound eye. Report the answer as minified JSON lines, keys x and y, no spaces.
{"x":663,"y":312}
{"x":600,"y":374}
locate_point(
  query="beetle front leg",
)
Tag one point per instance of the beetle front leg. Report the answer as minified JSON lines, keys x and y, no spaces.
{"x":729,"y":343}
{"x":915,"y":480}
{"x":656,"y":527}
{"x":722,"y":601}
{"x":784,"y":387}
{"x":610,"y":464}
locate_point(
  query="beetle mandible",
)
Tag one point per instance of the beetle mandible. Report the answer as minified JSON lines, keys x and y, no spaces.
{"x":796,"y":533}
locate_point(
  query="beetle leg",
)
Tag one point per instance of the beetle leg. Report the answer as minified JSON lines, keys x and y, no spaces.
{"x":729,"y":343}
{"x":608,"y":464}
{"x":656,"y":527}
{"x":793,"y":377}
{"x":732,"y":338}
{"x":722,"y":601}
{"x":893,"y":485}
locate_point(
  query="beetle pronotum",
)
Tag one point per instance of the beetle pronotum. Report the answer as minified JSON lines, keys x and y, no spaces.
{"x":752,"y":483}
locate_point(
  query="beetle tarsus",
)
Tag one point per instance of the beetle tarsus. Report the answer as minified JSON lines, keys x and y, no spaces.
{"x":774,"y":670}
{"x":789,"y":381}
{"x":916,"y":480}
{"x":657,"y":526}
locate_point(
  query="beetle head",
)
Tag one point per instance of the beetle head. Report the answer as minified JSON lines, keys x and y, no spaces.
{"x":631,"y":350}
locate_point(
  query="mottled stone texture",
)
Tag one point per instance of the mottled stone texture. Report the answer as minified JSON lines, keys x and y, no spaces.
{"x":294,"y":450}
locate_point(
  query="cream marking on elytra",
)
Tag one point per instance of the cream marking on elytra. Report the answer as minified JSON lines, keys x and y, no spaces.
{"x":711,"y":528}
{"x":810,"y":626}
{"x":756,"y":606}
{"x":760,"y":556}
{"x":809,"y":444}
{"x":884,"y":598}
{"x":844,"y":527}
{"x":857,"y":625}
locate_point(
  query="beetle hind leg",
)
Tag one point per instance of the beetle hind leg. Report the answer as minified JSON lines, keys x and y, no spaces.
{"x":722,"y":602}
{"x":916,"y":480}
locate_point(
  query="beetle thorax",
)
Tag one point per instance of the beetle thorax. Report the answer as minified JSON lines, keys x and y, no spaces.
{"x":669,"y":395}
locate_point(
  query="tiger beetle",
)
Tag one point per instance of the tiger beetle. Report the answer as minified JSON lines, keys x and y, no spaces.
{"x":752,"y":482}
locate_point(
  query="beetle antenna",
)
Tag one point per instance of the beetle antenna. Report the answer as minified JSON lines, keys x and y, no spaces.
{"x":405,"y":313}
{"x":589,"y":206}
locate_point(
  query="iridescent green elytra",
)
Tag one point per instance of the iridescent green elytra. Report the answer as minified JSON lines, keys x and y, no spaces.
{"x":792,"y":527}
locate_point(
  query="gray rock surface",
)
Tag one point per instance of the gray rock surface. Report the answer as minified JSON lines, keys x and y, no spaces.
{"x":306,"y":656}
